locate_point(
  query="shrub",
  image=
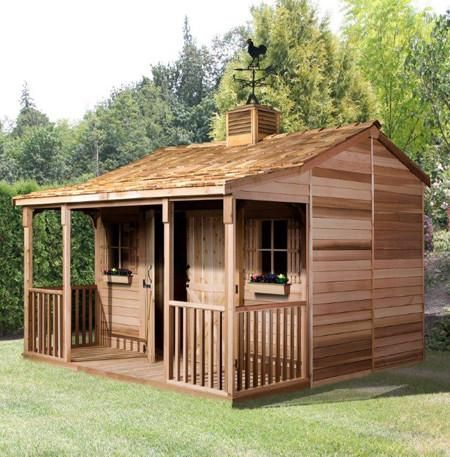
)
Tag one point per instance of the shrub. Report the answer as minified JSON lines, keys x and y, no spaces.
{"x":437,"y":267}
{"x":428,"y":233}
{"x":441,"y":241}
{"x":47,"y":253}
{"x":439,"y":338}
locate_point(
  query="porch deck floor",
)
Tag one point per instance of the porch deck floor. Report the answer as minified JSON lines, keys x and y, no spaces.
{"x":118,"y":363}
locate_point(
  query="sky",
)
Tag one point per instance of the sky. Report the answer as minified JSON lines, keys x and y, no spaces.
{"x":72,"y":53}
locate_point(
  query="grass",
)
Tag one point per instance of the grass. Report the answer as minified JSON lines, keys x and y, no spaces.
{"x":52,"y":411}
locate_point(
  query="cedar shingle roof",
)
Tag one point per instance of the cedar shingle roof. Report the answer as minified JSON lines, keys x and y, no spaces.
{"x":211,"y":164}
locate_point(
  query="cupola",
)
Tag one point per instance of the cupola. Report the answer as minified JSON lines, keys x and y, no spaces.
{"x":250,"y":123}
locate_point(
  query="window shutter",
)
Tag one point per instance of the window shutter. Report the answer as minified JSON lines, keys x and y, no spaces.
{"x":294,"y":267}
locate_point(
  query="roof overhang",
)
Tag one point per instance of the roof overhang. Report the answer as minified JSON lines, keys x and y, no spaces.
{"x":105,"y":198}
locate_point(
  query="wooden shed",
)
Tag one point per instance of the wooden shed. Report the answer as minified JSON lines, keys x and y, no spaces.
{"x":266,"y":262}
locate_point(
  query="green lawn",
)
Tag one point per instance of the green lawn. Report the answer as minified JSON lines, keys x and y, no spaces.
{"x":52,"y":411}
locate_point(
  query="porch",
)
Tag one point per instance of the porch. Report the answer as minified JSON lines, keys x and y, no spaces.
{"x":220,"y":337}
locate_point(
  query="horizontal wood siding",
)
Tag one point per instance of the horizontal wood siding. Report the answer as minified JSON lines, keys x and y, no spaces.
{"x":342,"y":265}
{"x":398,"y":262}
{"x":290,"y":188}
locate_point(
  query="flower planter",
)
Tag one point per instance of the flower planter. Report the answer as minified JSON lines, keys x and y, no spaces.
{"x":117,"y":279}
{"x":269,"y":288}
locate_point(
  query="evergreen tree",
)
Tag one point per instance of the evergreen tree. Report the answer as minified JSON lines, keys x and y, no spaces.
{"x":29,"y":115}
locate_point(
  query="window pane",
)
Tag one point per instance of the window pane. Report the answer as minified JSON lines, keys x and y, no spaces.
{"x":280,"y":262}
{"x":114,"y":258}
{"x":265,"y":234}
{"x":115,"y":235}
{"x":265,"y":262}
{"x":280,"y":234}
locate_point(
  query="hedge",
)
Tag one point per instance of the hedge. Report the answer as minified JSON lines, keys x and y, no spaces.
{"x":47,"y":253}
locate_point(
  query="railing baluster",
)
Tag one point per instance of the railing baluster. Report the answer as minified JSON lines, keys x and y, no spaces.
{"x":263,"y":347}
{"x":211,"y":350}
{"x":255,"y":348}
{"x":202,"y":347}
{"x":247,"y":350}
{"x":54,"y":300}
{"x":185,"y":346}
{"x":240,"y":367}
{"x":194,"y":347}
{"x":277,"y":352}
{"x":177,"y":342}
{"x":83,"y":315}
{"x":89,"y":290}
{"x":270,"y":346}
{"x":285,"y":343}
{"x":77,"y":317}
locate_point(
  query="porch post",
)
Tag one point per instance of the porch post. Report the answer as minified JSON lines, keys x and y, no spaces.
{"x":229,"y":219}
{"x":167,"y":218}
{"x":27,"y":222}
{"x":67,"y":296}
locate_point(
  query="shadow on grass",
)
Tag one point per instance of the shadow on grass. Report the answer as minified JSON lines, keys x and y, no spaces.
{"x":407,"y":381}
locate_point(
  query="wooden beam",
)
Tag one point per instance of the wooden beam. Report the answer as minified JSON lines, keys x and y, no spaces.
{"x":307,"y":352}
{"x":117,"y":196}
{"x":229,"y":219}
{"x":66,"y":222}
{"x":167,"y":218}
{"x":27,"y":223}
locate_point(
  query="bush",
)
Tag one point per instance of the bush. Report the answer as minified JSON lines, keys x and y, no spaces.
{"x":428,"y":233}
{"x":439,"y":338}
{"x":441,"y":241}
{"x":437,"y":267}
{"x":47,"y":253}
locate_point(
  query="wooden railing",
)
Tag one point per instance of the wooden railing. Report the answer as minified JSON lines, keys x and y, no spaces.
{"x":272,"y":344}
{"x":46,"y":322}
{"x":198,"y":344}
{"x":85,"y":331}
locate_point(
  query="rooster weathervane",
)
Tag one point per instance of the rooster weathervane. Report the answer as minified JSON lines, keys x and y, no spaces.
{"x":256,"y":53}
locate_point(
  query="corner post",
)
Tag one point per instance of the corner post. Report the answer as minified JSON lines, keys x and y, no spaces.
{"x":27,"y":223}
{"x":167,"y":218}
{"x":66,"y":222}
{"x":229,"y":219}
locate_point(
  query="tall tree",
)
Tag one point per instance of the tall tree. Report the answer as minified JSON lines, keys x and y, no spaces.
{"x":29,"y":115}
{"x":315,"y":81}
{"x":382,"y":33}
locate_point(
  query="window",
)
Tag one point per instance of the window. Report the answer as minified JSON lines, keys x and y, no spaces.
{"x":123,"y":246}
{"x":273,"y":246}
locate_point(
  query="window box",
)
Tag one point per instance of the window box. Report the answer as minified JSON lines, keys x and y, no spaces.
{"x":115,"y":276}
{"x":270,"y":288}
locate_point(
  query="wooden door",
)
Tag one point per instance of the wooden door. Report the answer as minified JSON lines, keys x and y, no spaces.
{"x":205,"y":258}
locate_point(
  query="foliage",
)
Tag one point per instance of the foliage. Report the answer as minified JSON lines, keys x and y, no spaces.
{"x":382,"y":33}
{"x":428,"y":233}
{"x":47,"y":253}
{"x":439,"y":338}
{"x":29,"y":115}
{"x":441,"y":241}
{"x":437,"y":268}
{"x":11,"y":256}
{"x":315,"y":80}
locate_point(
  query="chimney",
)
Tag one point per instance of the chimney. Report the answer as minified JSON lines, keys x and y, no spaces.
{"x":249,"y":124}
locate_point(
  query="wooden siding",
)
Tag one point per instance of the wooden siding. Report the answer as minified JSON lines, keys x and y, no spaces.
{"x":342,"y":265}
{"x":398,"y":262}
{"x":367,"y":304}
{"x":290,"y":188}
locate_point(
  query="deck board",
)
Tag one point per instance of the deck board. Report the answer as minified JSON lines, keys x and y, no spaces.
{"x":117,"y":363}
